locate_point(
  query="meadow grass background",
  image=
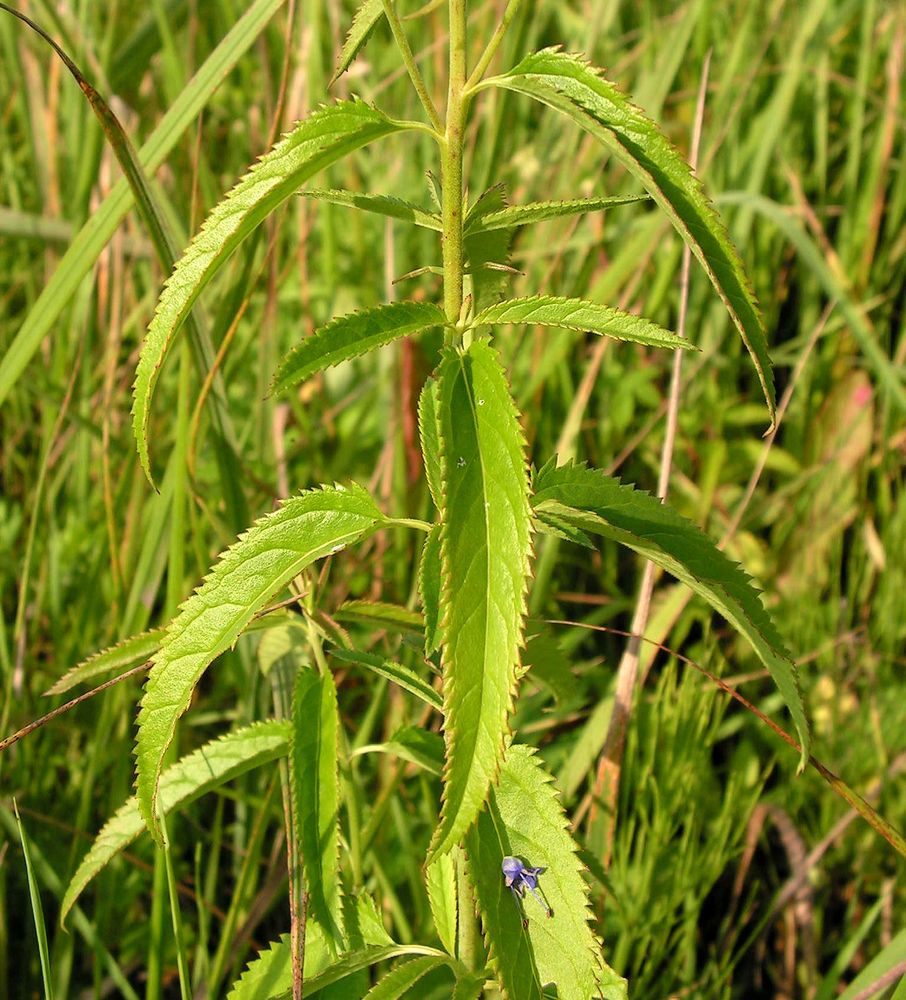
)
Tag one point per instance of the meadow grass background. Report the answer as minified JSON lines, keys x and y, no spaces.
{"x":803,"y":152}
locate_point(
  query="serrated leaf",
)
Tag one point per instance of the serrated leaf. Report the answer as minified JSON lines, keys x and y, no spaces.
{"x":139,"y":648}
{"x":603,"y":505}
{"x":183,"y":782}
{"x":381,"y":615}
{"x":577,"y":314}
{"x":486,"y":252}
{"x":363,"y":922}
{"x":319,"y":140}
{"x":524,"y":819}
{"x":381,"y":204}
{"x":264,"y":559}
{"x":120,"y":657}
{"x":440,"y":879}
{"x":316,"y":806}
{"x":353,"y":962}
{"x":429,"y":585}
{"x":485,"y":546}
{"x":551,"y":525}
{"x":570,"y":85}
{"x":363,"y":23}
{"x":541,"y":211}
{"x":396,"y":672}
{"x":351,"y":336}
{"x":401,"y":979}
{"x":414,"y":744}
{"x":429,"y":436}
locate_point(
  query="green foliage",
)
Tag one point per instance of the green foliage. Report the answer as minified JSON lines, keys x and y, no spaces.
{"x":605,"y":506}
{"x":201,"y":771}
{"x":366,"y":17}
{"x":524,"y":819}
{"x":351,"y":336}
{"x":134,"y":650}
{"x":572,"y":86}
{"x":574,"y":314}
{"x":315,"y":798}
{"x":266,"y":558}
{"x":485,"y":546}
{"x":543,"y":211}
{"x":325,"y":137}
{"x":415,"y":668}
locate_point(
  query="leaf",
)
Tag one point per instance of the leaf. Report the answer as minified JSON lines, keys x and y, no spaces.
{"x":199,"y":772}
{"x":485,"y":546}
{"x":84,"y":250}
{"x":440,"y":878}
{"x":523,"y":215}
{"x":570,"y":85}
{"x":138,"y":648}
{"x":486,"y":252}
{"x":401,"y":979}
{"x":576,"y":314}
{"x":353,"y":335}
{"x":380,"y":204}
{"x":429,"y":435}
{"x":319,"y":140}
{"x":271,"y":973}
{"x":429,"y":585}
{"x":381,"y":615}
{"x":264,"y":559}
{"x":414,"y":744}
{"x":120,"y":657}
{"x":363,"y":23}
{"x":524,"y":819}
{"x":355,"y":961}
{"x":603,"y":505}
{"x":396,"y":672}
{"x":316,"y":807}
{"x":551,"y":525}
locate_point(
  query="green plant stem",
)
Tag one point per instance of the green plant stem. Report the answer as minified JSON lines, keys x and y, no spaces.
{"x":469,"y":940}
{"x":512,"y":8}
{"x":412,"y":67}
{"x":451,"y":169}
{"x":468,"y":943}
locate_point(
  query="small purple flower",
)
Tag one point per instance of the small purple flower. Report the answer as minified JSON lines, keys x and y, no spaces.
{"x":518,"y":877}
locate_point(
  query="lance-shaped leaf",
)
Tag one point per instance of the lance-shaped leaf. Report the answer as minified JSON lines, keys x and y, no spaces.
{"x":273,"y":551}
{"x":569,"y":84}
{"x":429,"y":586}
{"x":577,"y":314}
{"x":381,"y":204}
{"x":363,"y":22}
{"x":429,"y":436}
{"x":323,"y":138}
{"x":316,"y":807}
{"x":601,"y":504}
{"x":199,"y":772}
{"x":485,"y":545}
{"x":403,"y":676}
{"x":524,"y":819}
{"x":400,"y":980}
{"x":440,"y":879}
{"x":541,"y":211}
{"x":353,"y":335}
{"x":128,"y":653}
